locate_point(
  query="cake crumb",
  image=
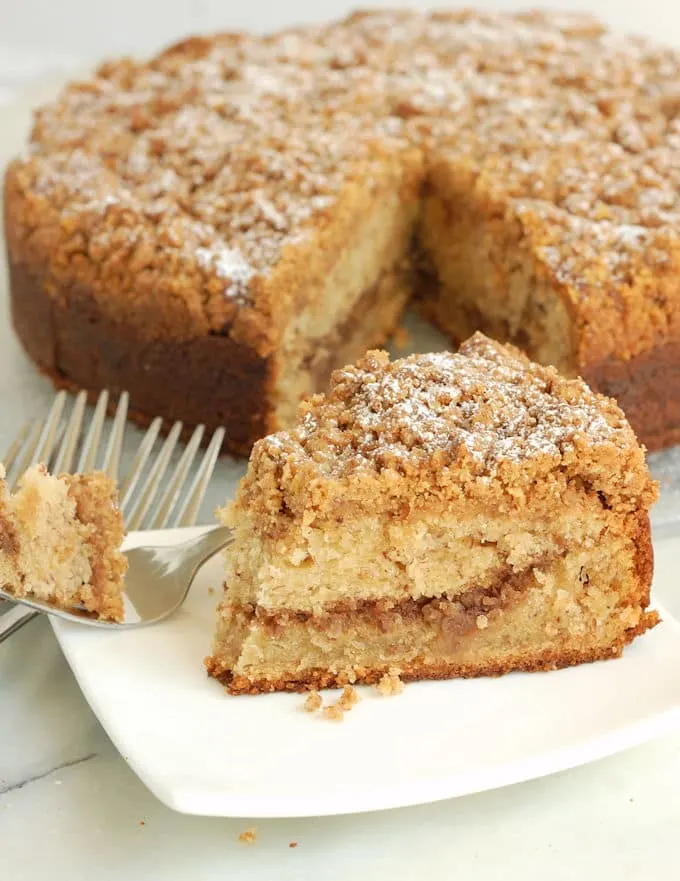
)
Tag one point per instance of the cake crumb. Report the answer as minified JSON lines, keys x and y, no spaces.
{"x":142,"y":823}
{"x":348,"y":698}
{"x":211,"y":590}
{"x":334,"y":712}
{"x":482,"y":622}
{"x":390,"y":684}
{"x":293,"y":844}
{"x":249,"y":836}
{"x":312,"y":702}
{"x":401,"y":338}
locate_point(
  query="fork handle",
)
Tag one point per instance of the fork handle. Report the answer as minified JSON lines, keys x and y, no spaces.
{"x":14,"y":619}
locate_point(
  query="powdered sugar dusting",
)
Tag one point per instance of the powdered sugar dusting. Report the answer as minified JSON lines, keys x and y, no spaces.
{"x":228,"y":264}
{"x":485,"y":403}
{"x":577,"y":131}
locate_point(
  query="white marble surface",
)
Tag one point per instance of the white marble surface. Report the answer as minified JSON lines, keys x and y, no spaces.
{"x":83,"y":28}
{"x":70,"y":806}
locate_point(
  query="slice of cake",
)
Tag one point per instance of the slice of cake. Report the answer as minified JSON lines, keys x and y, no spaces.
{"x":60,"y":541}
{"x":442,"y":515}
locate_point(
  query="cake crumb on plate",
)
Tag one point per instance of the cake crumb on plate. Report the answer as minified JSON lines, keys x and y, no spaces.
{"x":249,"y":836}
{"x":390,"y":684}
{"x":312,"y":702}
{"x":348,"y":698}
{"x":334,"y":713}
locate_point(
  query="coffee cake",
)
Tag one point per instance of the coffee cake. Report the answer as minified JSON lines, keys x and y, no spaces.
{"x":442,"y":515}
{"x":260,"y":209}
{"x":60,"y":539}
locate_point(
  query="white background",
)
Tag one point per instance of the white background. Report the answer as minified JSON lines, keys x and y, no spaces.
{"x":85,"y":28}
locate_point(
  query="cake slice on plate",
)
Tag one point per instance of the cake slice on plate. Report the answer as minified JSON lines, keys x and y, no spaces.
{"x":442,"y":515}
{"x":60,"y":541}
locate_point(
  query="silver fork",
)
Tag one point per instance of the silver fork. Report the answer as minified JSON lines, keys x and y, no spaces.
{"x":159,"y":577}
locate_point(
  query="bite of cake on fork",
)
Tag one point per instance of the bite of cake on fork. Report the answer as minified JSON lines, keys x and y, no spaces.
{"x":61,"y":533}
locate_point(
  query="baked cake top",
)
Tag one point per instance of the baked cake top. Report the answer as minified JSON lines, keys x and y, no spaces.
{"x":196,"y":170}
{"x":483,"y":422}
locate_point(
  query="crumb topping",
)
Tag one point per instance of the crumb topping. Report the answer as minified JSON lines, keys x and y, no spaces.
{"x":197,"y":169}
{"x":484,"y":423}
{"x":486,"y":402}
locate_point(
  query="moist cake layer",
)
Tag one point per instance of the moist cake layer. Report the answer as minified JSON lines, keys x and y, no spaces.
{"x":374,"y":316}
{"x":544,"y":617}
{"x":427,"y":554}
{"x":481,"y":273}
{"x":439,"y":515}
{"x":60,"y":541}
{"x":195,"y":208}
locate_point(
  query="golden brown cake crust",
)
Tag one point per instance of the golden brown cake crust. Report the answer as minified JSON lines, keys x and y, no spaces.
{"x":190,"y":198}
{"x":78,"y":346}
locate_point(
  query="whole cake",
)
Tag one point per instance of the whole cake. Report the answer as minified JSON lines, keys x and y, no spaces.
{"x":218,"y":228}
{"x":60,"y":539}
{"x":443,"y":515}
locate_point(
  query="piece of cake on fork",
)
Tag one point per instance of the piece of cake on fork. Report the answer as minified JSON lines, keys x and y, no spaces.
{"x":60,"y":539}
{"x":442,"y":515}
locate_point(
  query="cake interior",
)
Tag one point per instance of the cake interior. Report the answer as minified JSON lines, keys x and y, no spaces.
{"x":465,"y":265}
{"x":358,"y":281}
{"x":480,"y":273}
{"x":60,"y":542}
{"x":433,"y":595}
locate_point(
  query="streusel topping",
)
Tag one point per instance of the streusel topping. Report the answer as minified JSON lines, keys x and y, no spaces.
{"x":482,"y":427}
{"x":486,"y":401}
{"x":202,"y":165}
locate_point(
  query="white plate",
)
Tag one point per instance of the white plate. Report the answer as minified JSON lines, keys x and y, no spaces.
{"x":202,"y":751}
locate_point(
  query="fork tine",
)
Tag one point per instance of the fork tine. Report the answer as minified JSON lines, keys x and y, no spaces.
{"x":174,"y":487}
{"x":24,"y":454}
{"x":145,"y":498}
{"x":17,"y":446}
{"x":48,"y":436}
{"x":64,"y":460}
{"x":132,"y":477}
{"x":112,"y":456}
{"x":88,"y":454}
{"x":41,"y":441}
{"x":188,"y":511}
